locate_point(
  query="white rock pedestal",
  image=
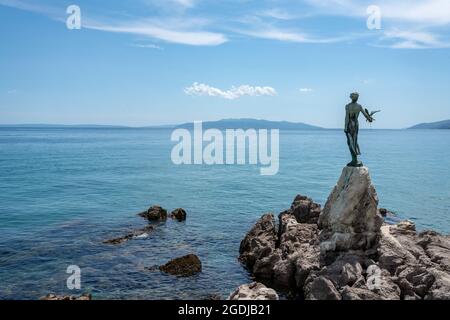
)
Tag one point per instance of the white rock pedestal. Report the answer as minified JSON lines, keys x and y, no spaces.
{"x":350,"y":219}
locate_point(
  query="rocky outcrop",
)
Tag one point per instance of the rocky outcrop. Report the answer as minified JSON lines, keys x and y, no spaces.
{"x":254,"y":291}
{"x":350,"y":218}
{"x":137,"y":234}
{"x":305,"y":210}
{"x":178,"y":214}
{"x":259,"y":245}
{"x":283,"y":255}
{"x":154,"y":213}
{"x":185,"y":266}
{"x":349,"y":254}
{"x":53,"y":297}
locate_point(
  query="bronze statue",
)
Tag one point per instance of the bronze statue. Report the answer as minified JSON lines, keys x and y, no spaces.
{"x":352,"y":111}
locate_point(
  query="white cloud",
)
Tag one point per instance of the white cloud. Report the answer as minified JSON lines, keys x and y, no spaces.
{"x":149,"y":29}
{"x":420,"y":11}
{"x":306,"y":90}
{"x":277,"y":13}
{"x":147,"y":46}
{"x":414,"y":40}
{"x":200,"y":89}
{"x":419,"y":20}
{"x":271,"y":33}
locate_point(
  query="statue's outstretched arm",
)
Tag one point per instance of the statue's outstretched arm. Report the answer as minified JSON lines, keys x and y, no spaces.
{"x":368,"y":116}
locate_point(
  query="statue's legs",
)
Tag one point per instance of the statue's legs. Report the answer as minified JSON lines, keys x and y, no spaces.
{"x":354,"y":151}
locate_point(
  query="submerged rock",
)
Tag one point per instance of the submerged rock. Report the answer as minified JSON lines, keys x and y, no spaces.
{"x":154,"y":213}
{"x":133,"y":235}
{"x":254,"y":291}
{"x":178,"y":214}
{"x":185,"y":266}
{"x":53,"y":297}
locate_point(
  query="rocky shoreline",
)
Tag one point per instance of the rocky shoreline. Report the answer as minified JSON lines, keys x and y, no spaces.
{"x":346,"y":251}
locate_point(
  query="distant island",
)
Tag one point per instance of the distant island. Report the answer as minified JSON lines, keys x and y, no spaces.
{"x":433,"y":125}
{"x":252,"y":124}
{"x":220,"y":124}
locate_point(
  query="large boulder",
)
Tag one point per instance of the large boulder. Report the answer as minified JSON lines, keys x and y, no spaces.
{"x":350,"y":219}
{"x":183,"y":267}
{"x":253,"y":291}
{"x":321,"y":288}
{"x":305,"y":210}
{"x":259,"y":245}
{"x":284,"y":256}
{"x":154,"y":213}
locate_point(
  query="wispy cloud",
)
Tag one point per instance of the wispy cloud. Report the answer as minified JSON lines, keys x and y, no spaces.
{"x":147,"y":46}
{"x":173,"y":35}
{"x":408,"y":24}
{"x":306,"y":90}
{"x":412,"y":24}
{"x":277,"y":13}
{"x":288,"y":35}
{"x":200,"y":89}
{"x":414,"y":40}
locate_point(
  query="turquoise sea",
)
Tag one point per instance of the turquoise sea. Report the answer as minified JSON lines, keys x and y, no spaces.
{"x":63,"y":191}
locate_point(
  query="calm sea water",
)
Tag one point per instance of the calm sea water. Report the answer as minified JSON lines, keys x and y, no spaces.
{"x":63,"y":191}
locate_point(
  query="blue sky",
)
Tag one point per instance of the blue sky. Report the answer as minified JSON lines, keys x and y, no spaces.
{"x":147,"y":62}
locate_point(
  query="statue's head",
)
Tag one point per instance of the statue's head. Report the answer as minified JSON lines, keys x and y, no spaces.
{"x":354,"y":96}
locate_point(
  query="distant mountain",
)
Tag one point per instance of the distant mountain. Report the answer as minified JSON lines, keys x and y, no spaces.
{"x":55,"y":126}
{"x":252,"y":124}
{"x":221,"y":124}
{"x":433,"y":125}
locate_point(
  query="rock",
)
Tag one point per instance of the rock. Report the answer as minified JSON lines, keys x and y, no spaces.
{"x":352,"y":293}
{"x":285,"y":257}
{"x":383,"y":212}
{"x":440,"y":290}
{"x":414,"y":280}
{"x":437,"y":248}
{"x":305,"y":210}
{"x":141,"y":233}
{"x":350,"y":219}
{"x":394,"y":249}
{"x":154,"y":213}
{"x":53,"y":297}
{"x":321,"y":288}
{"x":259,"y":244}
{"x":380,"y":282}
{"x":254,"y":291}
{"x":213,"y":296}
{"x":406,"y":225}
{"x":346,"y":270}
{"x":178,"y":214}
{"x":298,"y":250}
{"x":183,"y":267}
